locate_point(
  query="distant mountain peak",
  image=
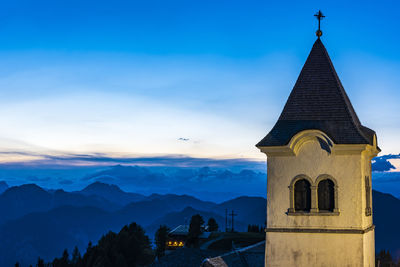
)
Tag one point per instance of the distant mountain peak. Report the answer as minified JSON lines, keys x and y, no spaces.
{"x":96,"y":186}
{"x":26,"y":188}
{"x":110,"y":192}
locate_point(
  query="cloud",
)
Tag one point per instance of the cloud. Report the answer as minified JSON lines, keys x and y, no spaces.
{"x":381,"y":164}
{"x":101,"y":159}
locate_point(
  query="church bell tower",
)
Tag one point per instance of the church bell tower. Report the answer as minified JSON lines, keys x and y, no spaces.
{"x":319,"y":200}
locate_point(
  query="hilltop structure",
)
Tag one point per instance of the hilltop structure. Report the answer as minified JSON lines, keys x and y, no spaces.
{"x":319,"y":210}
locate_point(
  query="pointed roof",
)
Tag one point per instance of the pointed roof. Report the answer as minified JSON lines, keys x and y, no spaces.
{"x":318,"y":101}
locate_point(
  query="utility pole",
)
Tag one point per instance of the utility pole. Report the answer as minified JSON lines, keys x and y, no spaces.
{"x":233,"y":214}
{"x":226,"y":220}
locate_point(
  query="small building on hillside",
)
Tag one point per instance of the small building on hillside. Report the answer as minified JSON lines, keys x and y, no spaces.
{"x":178,"y":236}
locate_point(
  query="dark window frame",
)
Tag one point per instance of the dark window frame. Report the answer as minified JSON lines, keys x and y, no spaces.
{"x":302,"y":195}
{"x":326,"y":195}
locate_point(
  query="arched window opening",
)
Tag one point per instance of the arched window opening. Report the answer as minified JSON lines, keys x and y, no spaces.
{"x":302,"y":195}
{"x":326,"y":195}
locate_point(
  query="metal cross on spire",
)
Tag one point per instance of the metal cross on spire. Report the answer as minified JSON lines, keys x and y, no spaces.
{"x":319,"y":17}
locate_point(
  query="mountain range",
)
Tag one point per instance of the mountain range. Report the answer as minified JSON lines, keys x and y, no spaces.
{"x":38,"y":222}
{"x":213,"y":183}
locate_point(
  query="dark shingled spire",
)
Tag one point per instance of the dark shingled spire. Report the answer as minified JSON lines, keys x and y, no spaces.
{"x":318,"y":101}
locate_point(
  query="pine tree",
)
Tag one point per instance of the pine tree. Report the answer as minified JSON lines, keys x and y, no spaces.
{"x":130,"y":247}
{"x":212,"y":225}
{"x":161,"y":240}
{"x":195,"y":230}
{"x":65,"y":258}
{"x":384,"y":259}
{"x":76,"y":256}
{"x":40,"y":262}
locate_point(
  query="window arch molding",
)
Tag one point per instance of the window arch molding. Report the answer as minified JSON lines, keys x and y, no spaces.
{"x":302,"y":137}
{"x":335,"y":187}
{"x":291,"y":190}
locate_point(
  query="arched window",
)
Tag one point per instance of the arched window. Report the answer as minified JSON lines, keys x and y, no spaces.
{"x":302,"y":195}
{"x":326,"y":195}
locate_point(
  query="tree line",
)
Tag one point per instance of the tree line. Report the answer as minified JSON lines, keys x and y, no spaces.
{"x":130,"y":247}
{"x":384,"y":259}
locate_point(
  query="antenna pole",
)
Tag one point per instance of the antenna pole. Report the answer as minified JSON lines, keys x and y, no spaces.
{"x":226,"y":220}
{"x":233,"y":214}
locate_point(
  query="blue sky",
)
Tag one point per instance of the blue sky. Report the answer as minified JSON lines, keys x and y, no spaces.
{"x":195,"y":78}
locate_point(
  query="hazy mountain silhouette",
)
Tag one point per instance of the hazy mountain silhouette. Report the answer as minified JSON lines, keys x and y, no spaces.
{"x":59,"y":219}
{"x":62,"y":198}
{"x":46,"y":234}
{"x":18,"y":201}
{"x":203,"y":182}
{"x":37,"y":222}
{"x":146,"y":212}
{"x":180,"y":201}
{"x":111,"y":192}
{"x":386,"y":209}
{"x":3,"y":186}
{"x":387,"y":182}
